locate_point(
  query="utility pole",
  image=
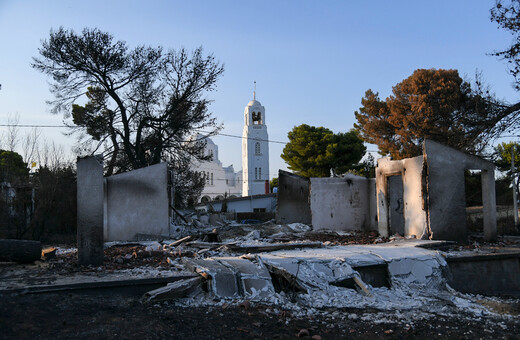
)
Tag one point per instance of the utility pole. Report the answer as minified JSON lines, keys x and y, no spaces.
{"x":513,"y":175}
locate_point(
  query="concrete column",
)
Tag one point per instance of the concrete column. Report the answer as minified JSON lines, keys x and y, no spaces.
{"x":489,"y":205}
{"x":90,"y":210}
{"x":382,"y":208}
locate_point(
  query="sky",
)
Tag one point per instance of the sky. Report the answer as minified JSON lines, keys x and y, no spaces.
{"x":312,"y":60}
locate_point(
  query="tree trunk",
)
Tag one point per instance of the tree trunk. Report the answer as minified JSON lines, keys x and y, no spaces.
{"x":20,"y":250}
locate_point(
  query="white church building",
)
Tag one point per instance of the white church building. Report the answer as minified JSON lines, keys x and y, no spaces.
{"x":221,"y":182}
{"x":254,"y":178}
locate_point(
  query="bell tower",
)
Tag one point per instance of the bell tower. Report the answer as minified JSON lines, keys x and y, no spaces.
{"x":255,"y":149}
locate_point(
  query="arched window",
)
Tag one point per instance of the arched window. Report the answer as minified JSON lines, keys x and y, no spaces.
{"x":257,"y":118}
{"x":257,"y":148}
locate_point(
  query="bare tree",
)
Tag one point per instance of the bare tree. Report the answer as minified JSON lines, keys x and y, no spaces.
{"x":11,"y":137}
{"x":30,"y":145}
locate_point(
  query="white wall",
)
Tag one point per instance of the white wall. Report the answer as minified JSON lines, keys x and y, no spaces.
{"x":247,"y":204}
{"x":136,"y":202}
{"x":342,"y":203}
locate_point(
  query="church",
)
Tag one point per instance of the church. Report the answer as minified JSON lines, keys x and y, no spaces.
{"x":254,"y":178}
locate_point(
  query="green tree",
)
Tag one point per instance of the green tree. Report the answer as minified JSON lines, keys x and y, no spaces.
{"x":12,"y":167}
{"x":433,"y":104}
{"x":273,"y":183}
{"x":15,"y":195}
{"x":142,"y":104}
{"x":504,"y":152}
{"x":315,"y":151}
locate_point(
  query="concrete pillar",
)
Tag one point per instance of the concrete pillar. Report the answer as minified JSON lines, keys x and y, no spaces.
{"x":489,"y":205}
{"x":90,"y":210}
{"x":382,"y":208}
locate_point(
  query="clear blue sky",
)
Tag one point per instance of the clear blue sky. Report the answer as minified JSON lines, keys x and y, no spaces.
{"x":312,"y":60}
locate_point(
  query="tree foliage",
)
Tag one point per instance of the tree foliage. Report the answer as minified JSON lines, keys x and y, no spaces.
{"x":140,"y":104}
{"x":432,"y":104}
{"x":13,"y":170}
{"x":315,"y":151}
{"x":504,"y":152}
{"x":506,"y":14}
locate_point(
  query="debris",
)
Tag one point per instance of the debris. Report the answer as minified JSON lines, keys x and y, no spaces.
{"x":273,"y":247}
{"x":20,"y":251}
{"x":362,"y":285}
{"x":175,"y":290}
{"x":178,"y":213}
{"x":49,"y":253}
{"x":303,"y":333}
{"x":222,"y":280}
{"x":176,"y":243}
{"x":212,"y":237}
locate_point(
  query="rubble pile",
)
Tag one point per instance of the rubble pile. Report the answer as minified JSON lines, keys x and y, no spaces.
{"x":288,"y":267}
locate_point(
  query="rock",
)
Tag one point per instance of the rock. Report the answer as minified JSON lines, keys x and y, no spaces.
{"x":303,"y":333}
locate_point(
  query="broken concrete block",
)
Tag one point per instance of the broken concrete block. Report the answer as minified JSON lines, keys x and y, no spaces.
{"x":175,"y":290}
{"x":245,"y":267}
{"x":223,"y":281}
{"x":257,"y":288}
{"x":413,"y":270}
{"x":254,"y":278}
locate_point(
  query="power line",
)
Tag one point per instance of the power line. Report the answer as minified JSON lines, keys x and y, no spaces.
{"x":217,"y":134}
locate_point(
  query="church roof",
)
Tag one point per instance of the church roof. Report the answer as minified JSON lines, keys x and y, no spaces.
{"x":254,"y":103}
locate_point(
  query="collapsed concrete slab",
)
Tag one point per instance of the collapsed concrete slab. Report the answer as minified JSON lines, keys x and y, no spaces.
{"x":175,"y":290}
{"x":254,"y":279}
{"x":222,"y":281}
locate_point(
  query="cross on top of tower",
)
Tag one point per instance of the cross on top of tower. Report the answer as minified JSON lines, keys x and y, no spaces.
{"x":254,"y":91}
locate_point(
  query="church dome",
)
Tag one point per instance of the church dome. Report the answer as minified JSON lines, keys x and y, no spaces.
{"x":254,"y":103}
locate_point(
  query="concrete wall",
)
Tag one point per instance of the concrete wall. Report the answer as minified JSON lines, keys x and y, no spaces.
{"x":246,"y":204}
{"x":434,"y":193}
{"x":414,"y":214}
{"x":342,"y":203}
{"x":502,"y":274}
{"x":137,"y":202}
{"x":293,"y":199}
{"x":446,"y":191}
{"x":90,"y":210}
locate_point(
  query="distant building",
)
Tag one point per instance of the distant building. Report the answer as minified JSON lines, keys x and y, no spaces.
{"x":255,"y":150}
{"x":221,"y":181}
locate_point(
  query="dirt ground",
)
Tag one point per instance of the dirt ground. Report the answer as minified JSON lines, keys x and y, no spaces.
{"x":82,"y":316}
